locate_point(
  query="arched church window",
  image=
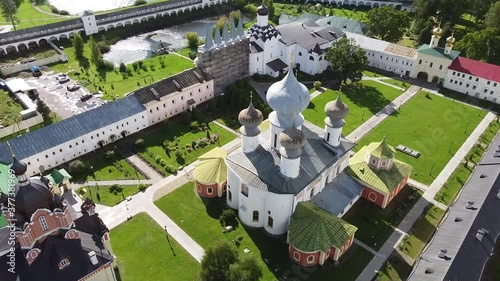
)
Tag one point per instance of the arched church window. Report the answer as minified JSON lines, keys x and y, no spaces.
{"x":311,"y":58}
{"x":210,"y":190}
{"x":310,"y":259}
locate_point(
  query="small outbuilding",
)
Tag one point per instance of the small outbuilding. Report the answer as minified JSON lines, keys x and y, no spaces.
{"x":211,"y":174}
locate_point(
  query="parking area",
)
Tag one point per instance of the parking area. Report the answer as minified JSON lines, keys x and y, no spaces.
{"x":63,"y":95}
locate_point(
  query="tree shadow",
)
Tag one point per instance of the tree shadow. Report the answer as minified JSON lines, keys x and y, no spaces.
{"x":367,"y":97}
{"x":84,"y":62}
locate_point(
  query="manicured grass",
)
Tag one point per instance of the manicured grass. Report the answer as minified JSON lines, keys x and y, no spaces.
{"x":144,"y":252}
{"x":114,"y":83}
{"x":105,"y":170}
{"x":185,"y":51}
{"x":154,"y":143}
{"x":459,"y":177}
{"x":345,"y":11}
{"x":394,"y":269}
{"x":199,"y":218}
{"x":108,"y":198}
{"x":364,"y":99}
{"x":421,"y":232}
{"x":29,"y":17}
{"x":432,"y":125}
{"x":9,"y":109}
{"x":374,"y":224}
{"x":397,"y":83}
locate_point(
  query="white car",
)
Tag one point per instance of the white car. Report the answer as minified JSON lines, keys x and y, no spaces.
{"x":129,"y":198}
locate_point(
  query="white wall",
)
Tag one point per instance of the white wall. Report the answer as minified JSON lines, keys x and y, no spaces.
{"x":433,"y":66}
{"x":390,"y":62}
{"x":233,"y":185}
{"x":472,"y":86}
{"x":89,"y":24}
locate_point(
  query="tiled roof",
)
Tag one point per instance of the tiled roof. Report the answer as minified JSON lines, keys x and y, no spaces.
{"x":277,"y":64}
{"x":384,"y":181}
{"x":53,"y":135}
{"x":260,"y":168}
{"x":212,"y":167}
{"x":476,"y":68}
{"x":438,"y":52}
{"x":313,"y":229}
{"x":172,"y":84}
{"x":308,"y":37}
{"x":263,"y":32}
{"x":401,"y":50}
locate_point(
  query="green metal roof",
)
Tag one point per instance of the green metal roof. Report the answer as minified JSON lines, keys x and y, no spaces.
{"x":382,"y":150}
{"x":437,"y":52}
{"x":313,"y":229}
{"x":212,"y":167}
{"x":58,"y":176}
{"x":382,"y":180}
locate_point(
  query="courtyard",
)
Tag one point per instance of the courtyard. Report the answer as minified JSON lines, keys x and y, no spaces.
{"x":105,"y":195}
{"x":433,"y":125}
{"x":364,"y":99}
{"x":199,"y":218}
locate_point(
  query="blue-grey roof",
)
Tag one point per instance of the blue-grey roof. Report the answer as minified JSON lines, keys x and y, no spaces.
{"x":50,"y":136}
{"x":338,"y":194}
{"x":260,"y":168}
{"x":341,"y":23}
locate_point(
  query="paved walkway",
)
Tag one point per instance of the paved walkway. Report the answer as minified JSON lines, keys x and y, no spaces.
{"x":424,"y":188}
{"x":366,"y":247}
{"x":380,"y":80}
{"x":226,"y":127}
{"x":382,"y":114}
{"x":120,"y":182}
{"x":144,"y":167}
{"x":428,"y":197}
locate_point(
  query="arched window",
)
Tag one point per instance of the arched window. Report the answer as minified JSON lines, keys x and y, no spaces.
{"x":229,"y":195}
{"x":270,"y":222}
{"x":311,"y":58}
{"x":296,"y":256}
{"x":43,"y":223}
{"x":210,"y":190}
{"x":310,"y":259}
{"x":255,"y":215}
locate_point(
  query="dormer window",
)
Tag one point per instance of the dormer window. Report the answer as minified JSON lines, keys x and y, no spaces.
{"x":63,"y":263}
{"x":374,"y":162}
{"x":383,"y":163}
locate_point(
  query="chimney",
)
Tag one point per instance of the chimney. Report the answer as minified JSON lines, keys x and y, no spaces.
{"x":93,"y":257}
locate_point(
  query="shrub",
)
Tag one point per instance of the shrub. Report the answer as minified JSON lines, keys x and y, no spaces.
{"x":317,"y":85}
{"x":135,"y":66}
{"x":158,"y":159}
{"x":228,"y":217}
{"x":54,"y":10}
{"x":140,"y":2}
{"x":170,"y":168}
{"x":194,"y":126}
{"x":77,"y":167}
{"x":202,"y":143}
{"x":63,"y":12}
{"x":189,"y":149}
{"x":106,"y":65}
{"x":163,"y":163}
{"x":123,"y":67}
{"x":115,"y":188}
{"x":142,"y":187}
{"x":193,"y":55}
{"x":178,"y":154}
{"x":192,"y":39}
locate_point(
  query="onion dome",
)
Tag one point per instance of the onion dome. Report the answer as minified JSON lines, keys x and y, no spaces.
{"x":250,"y":117}
{"x":288,"y":97}
{"x":450,"y":40}
{"x":437,"y":31}
{"x":336,"y":109}
{"x":19,"y":168}
{"x":292,"y":139}
{"x":32,"y":197}
{"x":262,"y":10}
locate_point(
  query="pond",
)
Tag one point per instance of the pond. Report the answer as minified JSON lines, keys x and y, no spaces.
{"x":139,"y":47}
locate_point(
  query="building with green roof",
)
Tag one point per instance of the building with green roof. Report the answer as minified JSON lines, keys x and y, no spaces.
{"x":376,"y":168}
{"x":211,"y":173}
{"x":315,"y":235}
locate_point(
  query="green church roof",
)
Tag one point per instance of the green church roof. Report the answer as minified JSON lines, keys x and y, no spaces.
{"x":313,"y":229}
{"x":212,"y":167}
{"x":383,"y":150}
{"x":382,"y":180}
{"x":58,"y":176}
{"x":438,"y":52}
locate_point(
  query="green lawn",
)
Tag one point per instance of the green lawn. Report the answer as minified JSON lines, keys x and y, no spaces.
{"x":144,"y":252}
{"x":108,"y":198}
{"x":394,"y":269}
{"x":432,"y":125}
{"x":154,"y":143}
{"x":421,"y":232}
{"x":114,"y":83}
{"x":29,"y":17}
{"x":185,"y":51}
{"x":374,"y":224}
{"x":199,"y":218}
{"x":364,"y":99}
{"x":106,"y":170}
{"x":9,"y":109}
{"x":397,"y":83}
{"x":459,"y":177}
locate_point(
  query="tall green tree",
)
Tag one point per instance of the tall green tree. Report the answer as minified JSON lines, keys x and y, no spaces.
{"x":246,"y":269}
{"x":9,"y":10}
{"x":95,"y":53}
{"x":388,"y":23}
{"x":193,"y":40}
{"x":492,"y":18}
{"x":481,"y":45}
{"x":78,"y":44}
{"x":347,"y":60}
{"x":480,"y":8}
{"x":216,"y":262}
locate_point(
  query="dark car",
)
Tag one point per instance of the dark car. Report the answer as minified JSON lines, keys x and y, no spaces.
{"x":73,"y":87}
{"x":85,"y":98}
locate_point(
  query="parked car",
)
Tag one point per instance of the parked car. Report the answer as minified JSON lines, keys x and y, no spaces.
{"x":63,"y":80}
{"x":85,"y":98}
{"x":73,"y":87}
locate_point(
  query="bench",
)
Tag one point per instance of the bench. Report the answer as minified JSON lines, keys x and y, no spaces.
{"x":408,"y":151}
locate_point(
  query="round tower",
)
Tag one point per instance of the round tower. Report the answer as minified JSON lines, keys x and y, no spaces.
{"x":288,"y":98}
{"x":262,"y":15}
{"x":292,"y":141}
{"x":436,"y":35}
{"x":250,"y":119}
{"x":335,"y":111}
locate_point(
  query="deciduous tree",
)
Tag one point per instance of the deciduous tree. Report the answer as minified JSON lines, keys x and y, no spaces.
{"x":388,"y":23}
{"x":193,"y":40}
{"x":347,"y":60}
{"x":216,"y":262}
{"x":9,"y":10}
{"x":481,"y":45}
{"x":492,"y":18}
{"x":246,"y":269}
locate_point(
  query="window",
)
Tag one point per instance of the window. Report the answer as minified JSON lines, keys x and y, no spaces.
{"x":328,"y":253}
{"x":43,"y":223}
{"x":63,"y":263}
{"x":257,"y":58}
{"x":440,"y":67}
{"x":463,"y":75}
{"x":244,"y":189}
{"x":467,"y":85}
{"x":150,"y":111}
{"x":70,"y":146}
{"x":310,"y":259}
{"x":255,"y":216}
{"x":491,"y":93}
{"x":76,"y":143}
{"x":374,"y":162}
{"x":453,"y":73}
{"x":229,"y":195}
{"x":383,"y":163}
{"x":312,"y":193}
{"x":420,"y":62}
{"x":470,"y":77}
{"x":300,"y":54}
{"x":270,"y":222}
{"x":477,"y":79}
{"x":328,"y":137}
{"x":296,"y":256}
{"x":487,"y":83}
{"x":210,"y":190}
{"x":311,"y":58}
{"x":54,"y":153}
{"x":430,"y":65}
{"x":494,"y":84}
{"x":173,"y":101}
{"x":451,"y":80}
{"x":485,"y":90}
{"x":474,"y":87}
{"x":46,"y":156}
{"x":460,"y":83}
{"x":275,"y":140}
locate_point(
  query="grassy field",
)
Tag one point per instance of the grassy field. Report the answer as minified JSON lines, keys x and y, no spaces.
{"x":200,"y":220}
{"x":394,"y":269}
{"x":459,"y":177}
{"x":144,"y":252}
{"x":421,"y":232}
{"x":397,"y":83}
{"x":432,"y":125}
{"x":181,"y":132}
{"x":29,"y":17}
{"x":105,"y":170}
{"x":9,"y":109}
{"x":364,"y":99}
{"x":114,"y":83}
{"x":374,"y":224}
{"x":108,"y":198}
